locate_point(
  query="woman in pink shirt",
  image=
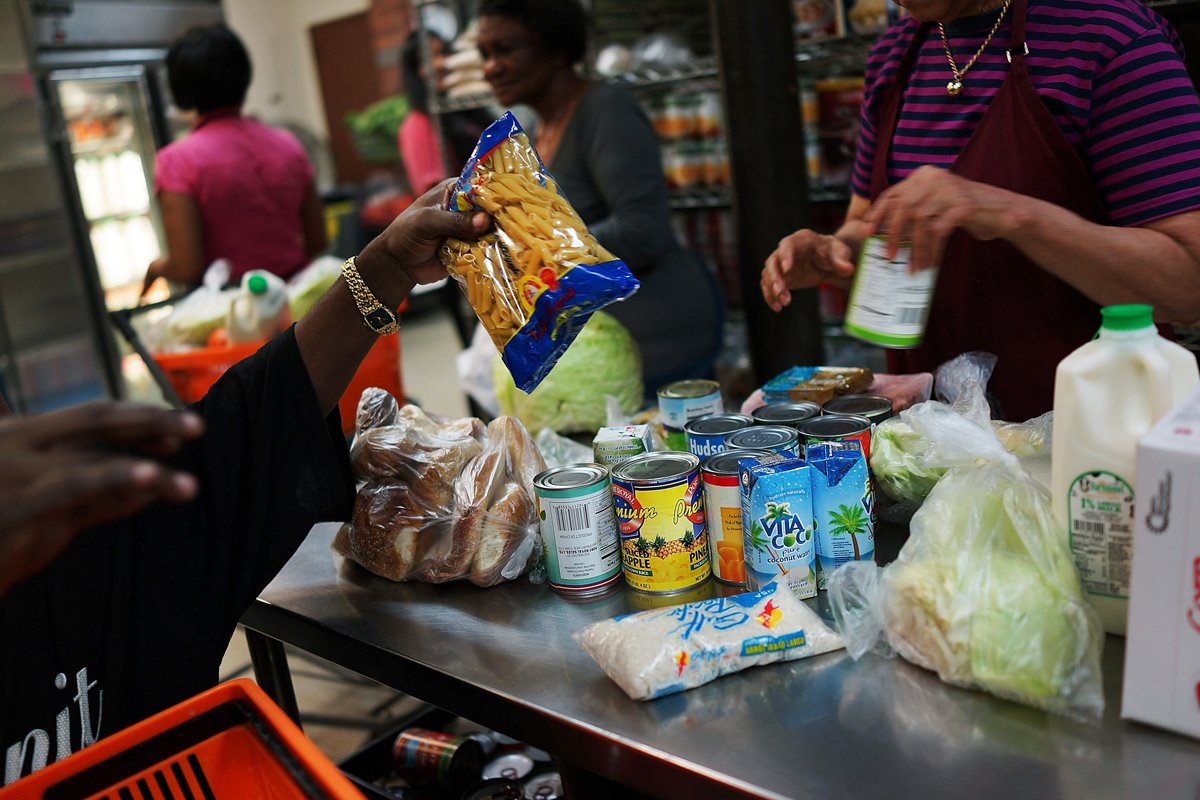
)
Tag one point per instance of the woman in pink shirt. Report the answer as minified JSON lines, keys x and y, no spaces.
{"x":233,"y":188}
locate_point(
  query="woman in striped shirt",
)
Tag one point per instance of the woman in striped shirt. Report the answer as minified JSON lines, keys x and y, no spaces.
{"x":1046,"y":155}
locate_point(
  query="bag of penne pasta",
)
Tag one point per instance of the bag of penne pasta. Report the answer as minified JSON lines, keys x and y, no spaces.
{"x":539,"y":275}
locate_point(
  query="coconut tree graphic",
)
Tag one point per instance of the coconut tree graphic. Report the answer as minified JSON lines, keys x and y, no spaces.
{"x":848,"y":520}
{"x":758,"y":537}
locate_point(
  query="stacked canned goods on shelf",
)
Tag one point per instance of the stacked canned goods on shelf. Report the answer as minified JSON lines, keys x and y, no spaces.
{"x":781,"y":494}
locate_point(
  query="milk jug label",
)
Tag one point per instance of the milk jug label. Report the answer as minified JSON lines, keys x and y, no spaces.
{"x":1100,"y":514}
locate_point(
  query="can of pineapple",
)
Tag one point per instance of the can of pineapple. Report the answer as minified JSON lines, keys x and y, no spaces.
{"x":659,"y":501}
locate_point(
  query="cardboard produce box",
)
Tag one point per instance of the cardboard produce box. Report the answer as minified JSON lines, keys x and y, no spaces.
{"x":1162,"y":650}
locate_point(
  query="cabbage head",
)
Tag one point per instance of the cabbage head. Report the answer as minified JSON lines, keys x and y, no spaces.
{"x":603,"y":360}
{"x":896,"y":462}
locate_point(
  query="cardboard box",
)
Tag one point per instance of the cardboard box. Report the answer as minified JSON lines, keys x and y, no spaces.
{"x":1162,"y":649}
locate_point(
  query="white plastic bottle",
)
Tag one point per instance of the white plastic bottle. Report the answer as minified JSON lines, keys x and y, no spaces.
{"x":1107,"y":395}
{"x":260,"y":308}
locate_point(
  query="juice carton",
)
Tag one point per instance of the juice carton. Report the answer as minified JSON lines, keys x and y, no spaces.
{"x":777,"y":523}
{"x":842,"y":505}
{"x":612,"y":445}
{"x":1162,"y":648}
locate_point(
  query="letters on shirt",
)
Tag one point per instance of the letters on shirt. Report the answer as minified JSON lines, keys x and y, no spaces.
{"x":35,"y":747}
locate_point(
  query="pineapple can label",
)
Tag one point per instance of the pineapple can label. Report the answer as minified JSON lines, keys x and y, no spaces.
{"x":659,"y":502}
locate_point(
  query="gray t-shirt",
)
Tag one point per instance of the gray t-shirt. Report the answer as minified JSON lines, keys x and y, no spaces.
{"x":609,"y":166}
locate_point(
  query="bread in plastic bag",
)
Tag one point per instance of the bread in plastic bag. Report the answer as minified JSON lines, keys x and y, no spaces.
{"x":663,"y":651}
{"x":442,"y":499}
{"x":537,"y":278}
{"x":985,"y":590}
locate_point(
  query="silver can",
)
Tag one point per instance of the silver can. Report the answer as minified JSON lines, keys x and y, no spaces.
{"x":579,"y":529}
{"x":776,"y":438}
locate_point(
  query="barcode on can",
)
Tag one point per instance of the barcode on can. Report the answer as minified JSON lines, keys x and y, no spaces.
{"x":572,"y":518}
{"x":909,"y":315}
{"x":1084,"y":526}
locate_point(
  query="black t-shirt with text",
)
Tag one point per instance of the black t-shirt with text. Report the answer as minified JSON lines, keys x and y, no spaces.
{"x":135,"y":615}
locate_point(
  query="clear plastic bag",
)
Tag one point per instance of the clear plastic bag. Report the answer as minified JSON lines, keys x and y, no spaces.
{"x":537,"y":278}
{"x":196,"y":316}
{"x":904,"y":462}
{"x":985,"y":590}
{"x":442,"y":499}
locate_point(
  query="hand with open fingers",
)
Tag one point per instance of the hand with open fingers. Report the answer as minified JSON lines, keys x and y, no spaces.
{"x":66,"y":471}
{"x":803,"y":260}
{"x":410,"y":243}
{"x":929,"y":205}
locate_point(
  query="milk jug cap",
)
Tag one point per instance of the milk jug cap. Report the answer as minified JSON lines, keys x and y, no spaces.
{"x":257,"y":284}
{"x":1131,"y":317}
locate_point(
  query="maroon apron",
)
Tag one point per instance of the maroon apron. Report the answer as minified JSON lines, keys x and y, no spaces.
{"x":989,"y":296}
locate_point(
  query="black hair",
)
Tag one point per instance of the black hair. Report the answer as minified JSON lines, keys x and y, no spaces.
{"x":208,"y":68}
{"x":415,"y":87}
{"x":560,"y":25}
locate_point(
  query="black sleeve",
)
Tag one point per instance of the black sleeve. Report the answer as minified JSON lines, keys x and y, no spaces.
{"x":270,"y":467}
{"x":625,"y":161}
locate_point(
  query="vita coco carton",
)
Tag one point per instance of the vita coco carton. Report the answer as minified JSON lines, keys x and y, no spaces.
{"x":1162,"y":650}
{"x":777,"y":523}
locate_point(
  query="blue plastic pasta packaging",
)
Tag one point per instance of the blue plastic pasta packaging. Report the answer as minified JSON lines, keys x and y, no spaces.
{"x":539,"y":275}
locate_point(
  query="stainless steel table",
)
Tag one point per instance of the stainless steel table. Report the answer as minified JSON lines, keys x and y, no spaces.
{"x":826,"y":727}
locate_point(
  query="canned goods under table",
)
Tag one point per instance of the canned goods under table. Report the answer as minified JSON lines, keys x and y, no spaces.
{"x":823,"y":727}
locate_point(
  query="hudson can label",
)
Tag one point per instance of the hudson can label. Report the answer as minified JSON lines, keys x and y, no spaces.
{"x":579,"y":529}
{"x":659,"y":500}
{"x":706,"y":435}
{"x":683,"y":401}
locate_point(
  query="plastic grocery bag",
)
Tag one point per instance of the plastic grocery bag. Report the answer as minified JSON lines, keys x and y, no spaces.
{"x":441,"y":499}
{"x":903,"y":461}
{"x":985,"y":590}
{"x":669,"y":650}
{"x":196,"y":316}
{"x":310,"y":284}
{"x":537,"y":278}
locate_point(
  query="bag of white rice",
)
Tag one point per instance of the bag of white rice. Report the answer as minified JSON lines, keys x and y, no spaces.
{"x":669,"y":650}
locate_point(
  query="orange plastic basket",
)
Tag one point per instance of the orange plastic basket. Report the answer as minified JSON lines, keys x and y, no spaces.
{"x":192,"y":373}
{"x":228,"y":743}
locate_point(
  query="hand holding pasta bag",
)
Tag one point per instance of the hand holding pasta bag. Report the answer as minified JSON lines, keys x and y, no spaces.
{"x":540,"y":275}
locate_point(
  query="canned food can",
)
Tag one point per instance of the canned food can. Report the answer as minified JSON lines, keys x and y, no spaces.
{"x":682,"y":401}
{"x":495,"y":789}
{"x":422,"y":756}
{"x":706,"y":435}
{"x":776,"y":438}
{"x":723,"y":510}
{"x":544,"y":786}
{"x":838,"y":428}
{"x":872,"y":406}
{"x":790,"y":414}
{"x":659,"y":502}
{"x":510,"y":765}
{"x":643,"y":601}
{"x":579,"y":529}
{"x":888,"y":305}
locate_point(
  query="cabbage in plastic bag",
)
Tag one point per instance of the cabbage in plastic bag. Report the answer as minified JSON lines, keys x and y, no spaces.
{"x":603,"y":361}
{"x":985,"y":591}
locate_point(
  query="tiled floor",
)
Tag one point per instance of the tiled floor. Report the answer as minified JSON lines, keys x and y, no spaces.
{"x":342,"y":708}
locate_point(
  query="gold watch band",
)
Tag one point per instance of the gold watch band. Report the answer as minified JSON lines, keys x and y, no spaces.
{"x":376,"y":316}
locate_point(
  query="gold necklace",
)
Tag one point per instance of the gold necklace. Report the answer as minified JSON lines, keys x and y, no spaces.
{"x":954,"y":87}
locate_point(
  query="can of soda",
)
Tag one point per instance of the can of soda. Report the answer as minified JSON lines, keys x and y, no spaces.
{"x":495,"y":789}
{"x":422,"y":756}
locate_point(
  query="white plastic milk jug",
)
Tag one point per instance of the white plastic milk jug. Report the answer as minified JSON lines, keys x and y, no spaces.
{"x":259,"y":310}
{"x":1107,"y":395}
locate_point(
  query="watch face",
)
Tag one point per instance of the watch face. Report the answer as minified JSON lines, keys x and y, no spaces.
{"x":379,"y":319}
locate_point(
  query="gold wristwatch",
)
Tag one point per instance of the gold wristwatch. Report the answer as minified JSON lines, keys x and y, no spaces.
{"x":376,"y":316}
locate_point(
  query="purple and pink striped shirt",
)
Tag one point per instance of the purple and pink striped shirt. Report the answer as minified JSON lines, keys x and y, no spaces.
{"x":1110,"y":72}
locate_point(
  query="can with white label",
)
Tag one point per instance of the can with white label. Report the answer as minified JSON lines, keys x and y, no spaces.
{"x":682,"y":401}
{"x":889,"y":305}
{"x":579,"y":529}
